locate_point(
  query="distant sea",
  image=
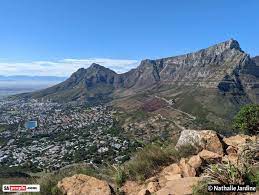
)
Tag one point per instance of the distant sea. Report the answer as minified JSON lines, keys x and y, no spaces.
{"x":15,"y":87}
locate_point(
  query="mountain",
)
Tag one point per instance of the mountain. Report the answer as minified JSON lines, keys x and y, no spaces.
{"x":224,"y":66}
{"x":211,"y":83}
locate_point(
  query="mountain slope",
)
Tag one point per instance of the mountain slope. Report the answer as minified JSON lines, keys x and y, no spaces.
{"x":211,"y":84}
{"x":81,"y":85}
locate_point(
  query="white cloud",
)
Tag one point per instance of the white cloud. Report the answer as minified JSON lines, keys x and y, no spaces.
{"x":63,"y":67}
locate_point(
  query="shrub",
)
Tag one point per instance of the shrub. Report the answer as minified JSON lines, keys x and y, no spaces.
{"x":247,"y":119}
{"x":255,"y":178}
{"x":119,"y":176}
{"x":227,"y":173}
{"x":115,"y":174}
{"x":148,"y":160}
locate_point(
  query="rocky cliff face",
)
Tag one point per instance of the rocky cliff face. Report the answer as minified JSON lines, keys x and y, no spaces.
{"x":224,"y":66}
{"x":208,"y":67}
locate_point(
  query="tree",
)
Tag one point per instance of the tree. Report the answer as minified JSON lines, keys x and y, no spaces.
{"x":247,"y":119}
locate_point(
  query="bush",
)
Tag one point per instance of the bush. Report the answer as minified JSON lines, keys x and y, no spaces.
{"x":120,"y":177}
{"x":227,"y":173}
{"x":148,"y":160}
{"x":247,"y":119}
{"x":116,"y":174}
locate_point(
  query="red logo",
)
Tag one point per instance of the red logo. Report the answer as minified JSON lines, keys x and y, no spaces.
{"x":17,"y":188}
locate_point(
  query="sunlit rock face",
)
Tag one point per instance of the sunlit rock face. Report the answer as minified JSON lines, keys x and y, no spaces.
{"x":223,"y":66}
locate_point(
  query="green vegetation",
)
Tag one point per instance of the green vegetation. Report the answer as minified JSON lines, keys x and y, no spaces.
{"x":139,"y":114}
{"x":226,"y":173}
{"x":118,"y":175}
{"x":3,"y":127}
{"x":200,"y":188}
{"x":204,"y":123}
{"x":149,"y":160}
{"x":8,"y":172}
{"x":115,"y":130}
{"x":133,"y":116}
{"x":247,"y":119}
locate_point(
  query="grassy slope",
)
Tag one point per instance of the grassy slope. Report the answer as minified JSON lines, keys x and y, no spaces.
{"x":213,"y":110}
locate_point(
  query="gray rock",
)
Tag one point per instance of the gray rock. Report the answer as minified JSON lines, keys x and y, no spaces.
{"x":223,"y":66}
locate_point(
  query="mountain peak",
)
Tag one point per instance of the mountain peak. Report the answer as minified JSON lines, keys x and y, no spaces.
{"x":229,"y":44}
{"x":233,"y":44}
{"x":96,"y":66}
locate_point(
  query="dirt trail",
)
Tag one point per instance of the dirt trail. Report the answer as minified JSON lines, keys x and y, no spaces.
{"x":170,"y":103}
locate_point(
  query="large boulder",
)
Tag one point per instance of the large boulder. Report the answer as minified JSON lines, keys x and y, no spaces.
{"x":189,"y":137}
{"x":212,"y":141}
{"x":83,"y":184}
{"x":204,"y":139}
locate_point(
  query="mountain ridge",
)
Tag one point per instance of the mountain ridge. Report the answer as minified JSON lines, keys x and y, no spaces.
{"x":221,"y":66}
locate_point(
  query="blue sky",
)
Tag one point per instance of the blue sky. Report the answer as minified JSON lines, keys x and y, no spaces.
{"x":55,"y":37}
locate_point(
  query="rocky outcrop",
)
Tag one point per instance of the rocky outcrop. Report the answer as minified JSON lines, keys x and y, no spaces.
{"x":204,"y":139}
{"x":238,"y":140}
{"x":177,"y":178}
{"x":83,"y":184}
{"x":210,"y":156}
